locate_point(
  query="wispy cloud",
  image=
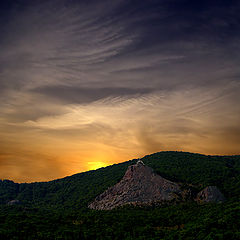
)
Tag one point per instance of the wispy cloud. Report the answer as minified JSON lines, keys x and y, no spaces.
{"x":122,"y":77}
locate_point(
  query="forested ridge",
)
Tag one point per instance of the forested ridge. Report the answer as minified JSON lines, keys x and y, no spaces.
{"x":58,"y":209}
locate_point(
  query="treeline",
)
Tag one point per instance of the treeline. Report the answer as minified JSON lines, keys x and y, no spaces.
{"x":58,"y":209}
{"x":184,"y":221}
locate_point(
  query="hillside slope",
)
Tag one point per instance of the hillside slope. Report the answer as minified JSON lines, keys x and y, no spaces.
{"x":58,"y":209}
{"x":78,"y":190}
{"x":139,"y":186}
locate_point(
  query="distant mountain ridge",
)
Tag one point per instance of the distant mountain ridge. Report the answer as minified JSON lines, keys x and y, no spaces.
{"x":77,"y":191}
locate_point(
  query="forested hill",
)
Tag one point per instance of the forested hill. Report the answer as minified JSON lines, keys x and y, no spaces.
{"x":77,"y":191}
{"x":58,"y":209}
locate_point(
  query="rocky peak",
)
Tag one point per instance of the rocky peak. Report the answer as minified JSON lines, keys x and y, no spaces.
{"x":139,"y":185}
{"x":210,"y":194}
{"x":137,"y":171}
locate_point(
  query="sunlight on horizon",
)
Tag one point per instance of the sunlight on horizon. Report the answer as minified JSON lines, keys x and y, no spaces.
{"x":96,"y":165}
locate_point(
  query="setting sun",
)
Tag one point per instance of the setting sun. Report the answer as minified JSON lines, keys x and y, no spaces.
{"x":96,"y":165}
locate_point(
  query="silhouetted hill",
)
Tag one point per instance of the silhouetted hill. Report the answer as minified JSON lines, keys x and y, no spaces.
{"x":58,"y":209}
{"x":79,"y":189}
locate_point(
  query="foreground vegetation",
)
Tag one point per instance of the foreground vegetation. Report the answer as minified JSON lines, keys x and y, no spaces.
{"x":58,"y":209}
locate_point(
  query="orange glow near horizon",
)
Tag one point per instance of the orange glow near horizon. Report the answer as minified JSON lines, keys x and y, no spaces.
{"x":114,"y":80}
{"x":88,"y":136}
{"x":96,"y":165}
{"x":59,"y":146}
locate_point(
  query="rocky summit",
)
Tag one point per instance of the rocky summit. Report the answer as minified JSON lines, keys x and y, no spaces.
{"x":139,"y":186}
{"x":210,"y":194}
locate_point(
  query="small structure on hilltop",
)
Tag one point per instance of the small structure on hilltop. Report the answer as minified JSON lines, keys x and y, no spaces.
{"x":140,"y":162}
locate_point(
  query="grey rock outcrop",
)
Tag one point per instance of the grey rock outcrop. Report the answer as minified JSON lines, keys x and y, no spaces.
{"x":210,"y":194}
{"x":139,"y":186}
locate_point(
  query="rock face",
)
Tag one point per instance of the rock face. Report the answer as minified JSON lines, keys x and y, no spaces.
{"x":210,"y":194}
{"x":139,"y":186}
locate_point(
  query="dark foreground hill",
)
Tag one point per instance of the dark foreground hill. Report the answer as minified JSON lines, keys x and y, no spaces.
{"x":58,"y":209}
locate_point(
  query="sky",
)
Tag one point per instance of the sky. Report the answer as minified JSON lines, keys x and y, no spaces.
{"x":86,"y":84}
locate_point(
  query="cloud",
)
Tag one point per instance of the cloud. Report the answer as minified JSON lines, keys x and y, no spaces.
{"x":160,"y":119}
{"x":116,"y":45}
{"x":41,"y":49}
{"x":85,"y":95}
{"x":122,"y":78}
